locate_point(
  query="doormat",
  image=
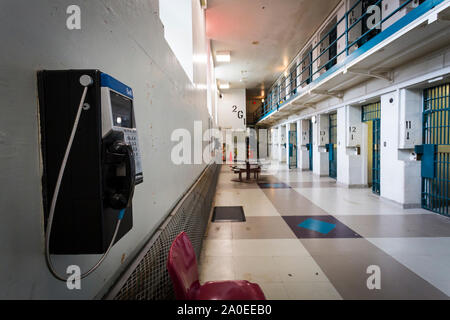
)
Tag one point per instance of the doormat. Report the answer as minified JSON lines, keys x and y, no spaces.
{"x":228,"y":214}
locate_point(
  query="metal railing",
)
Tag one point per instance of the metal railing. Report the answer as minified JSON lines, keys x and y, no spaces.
{"x":311,"y":66}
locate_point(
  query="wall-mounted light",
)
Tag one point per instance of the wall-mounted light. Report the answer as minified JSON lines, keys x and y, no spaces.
{"x":262,"y":100}
{"x":200,"y":58}
{"x":436,"y":79}
{"x":201,"y":86}
{"x":223,"y":56}
{"x":224,"y":85}
{"x":313,"y":119}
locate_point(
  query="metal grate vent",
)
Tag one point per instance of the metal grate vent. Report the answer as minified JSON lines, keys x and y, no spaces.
{"x":147,"y":277}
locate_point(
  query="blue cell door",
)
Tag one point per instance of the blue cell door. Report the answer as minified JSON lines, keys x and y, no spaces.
{"x":435,"y":151}
{"x":332,"y":147}
{"x":310,"y":146}
{"x":376,"y":156}
{"x":372,"y":113}
{"x":292,"y":149}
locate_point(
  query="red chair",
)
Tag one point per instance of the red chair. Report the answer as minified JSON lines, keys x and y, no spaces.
{"x":182,"y":267}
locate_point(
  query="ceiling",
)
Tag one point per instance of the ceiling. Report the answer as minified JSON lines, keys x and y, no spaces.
{"x":263,"y":37}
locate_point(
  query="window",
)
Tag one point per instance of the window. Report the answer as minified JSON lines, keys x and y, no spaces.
{"x":176,"y":16}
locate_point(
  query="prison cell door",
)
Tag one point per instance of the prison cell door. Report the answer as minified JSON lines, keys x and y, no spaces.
{"x":372,"y":113}
{"x":332,"y":147}
{"x":292,"y":149}
{"x":436,"y":150}
{"x":310,"y":146}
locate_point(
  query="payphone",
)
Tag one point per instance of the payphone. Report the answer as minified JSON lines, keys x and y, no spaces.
{"x":91,"y":161}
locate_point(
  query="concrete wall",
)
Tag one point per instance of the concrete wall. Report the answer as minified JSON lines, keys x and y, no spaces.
{"x":303,"y":140}
{"x":263,"y":141}
{"x":320,"y":156}
{"x":400,"y":176}
{"x":283,"y":141}
{"x":126,"y":40}
{"x":231,"y":106}
{"x":351,"y":165}
{"x":274,"y":144}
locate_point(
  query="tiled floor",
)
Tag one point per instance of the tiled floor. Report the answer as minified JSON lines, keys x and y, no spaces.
{"x":307,"y":237}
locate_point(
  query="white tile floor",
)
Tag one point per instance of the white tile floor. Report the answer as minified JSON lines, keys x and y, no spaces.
{"x":428,"y":257}
{"x":284,"y":268}
{"x":254,"y":201}
{"x":344,"y":201}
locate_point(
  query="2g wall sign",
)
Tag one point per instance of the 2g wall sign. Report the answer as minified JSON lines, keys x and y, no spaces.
{"x":239,"y":113}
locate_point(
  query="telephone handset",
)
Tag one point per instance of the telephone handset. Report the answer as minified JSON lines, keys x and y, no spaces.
{"x":119,"y":175}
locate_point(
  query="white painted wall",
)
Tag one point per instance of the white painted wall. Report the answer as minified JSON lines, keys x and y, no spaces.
{"x":275,"y":155}
{"x":283,"y":140}
{"x":263,"y":143}
{"x":341,"y":153}
{"x":176,"y":17}
{"x":400,"y":176}
{"x":126,"y":40}
{"x":351,"y":169}
{"x":389,"y":6}
{"x":320,"y":156}
{"x":391,"y":174}
{"x":228,"y":114}
{"x":303,"y":138}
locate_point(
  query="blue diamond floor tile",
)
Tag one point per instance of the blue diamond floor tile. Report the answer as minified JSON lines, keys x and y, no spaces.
{"x":305,"y":227}
{"x":317,"y":225}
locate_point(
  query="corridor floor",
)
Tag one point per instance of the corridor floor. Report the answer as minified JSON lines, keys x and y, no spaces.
{"x":306,"y":237}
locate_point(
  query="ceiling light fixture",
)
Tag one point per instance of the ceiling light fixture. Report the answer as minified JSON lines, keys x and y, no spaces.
{"x":436,"y":79}
{"x":223,"y":56}
{"x":225,"y":85}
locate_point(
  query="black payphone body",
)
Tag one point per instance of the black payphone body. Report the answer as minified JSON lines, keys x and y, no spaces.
{"x":104,"y":163}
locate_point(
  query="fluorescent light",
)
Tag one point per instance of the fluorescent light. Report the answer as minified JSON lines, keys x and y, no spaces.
{"x":223,"y":56}
{"x":436,"y":79}
{"x":200,"y":58}
{"x":225,"y":85}
{"x":201,"y":86}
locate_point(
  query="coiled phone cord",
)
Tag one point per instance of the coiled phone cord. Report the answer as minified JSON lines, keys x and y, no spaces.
{"x":86,"y":82}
